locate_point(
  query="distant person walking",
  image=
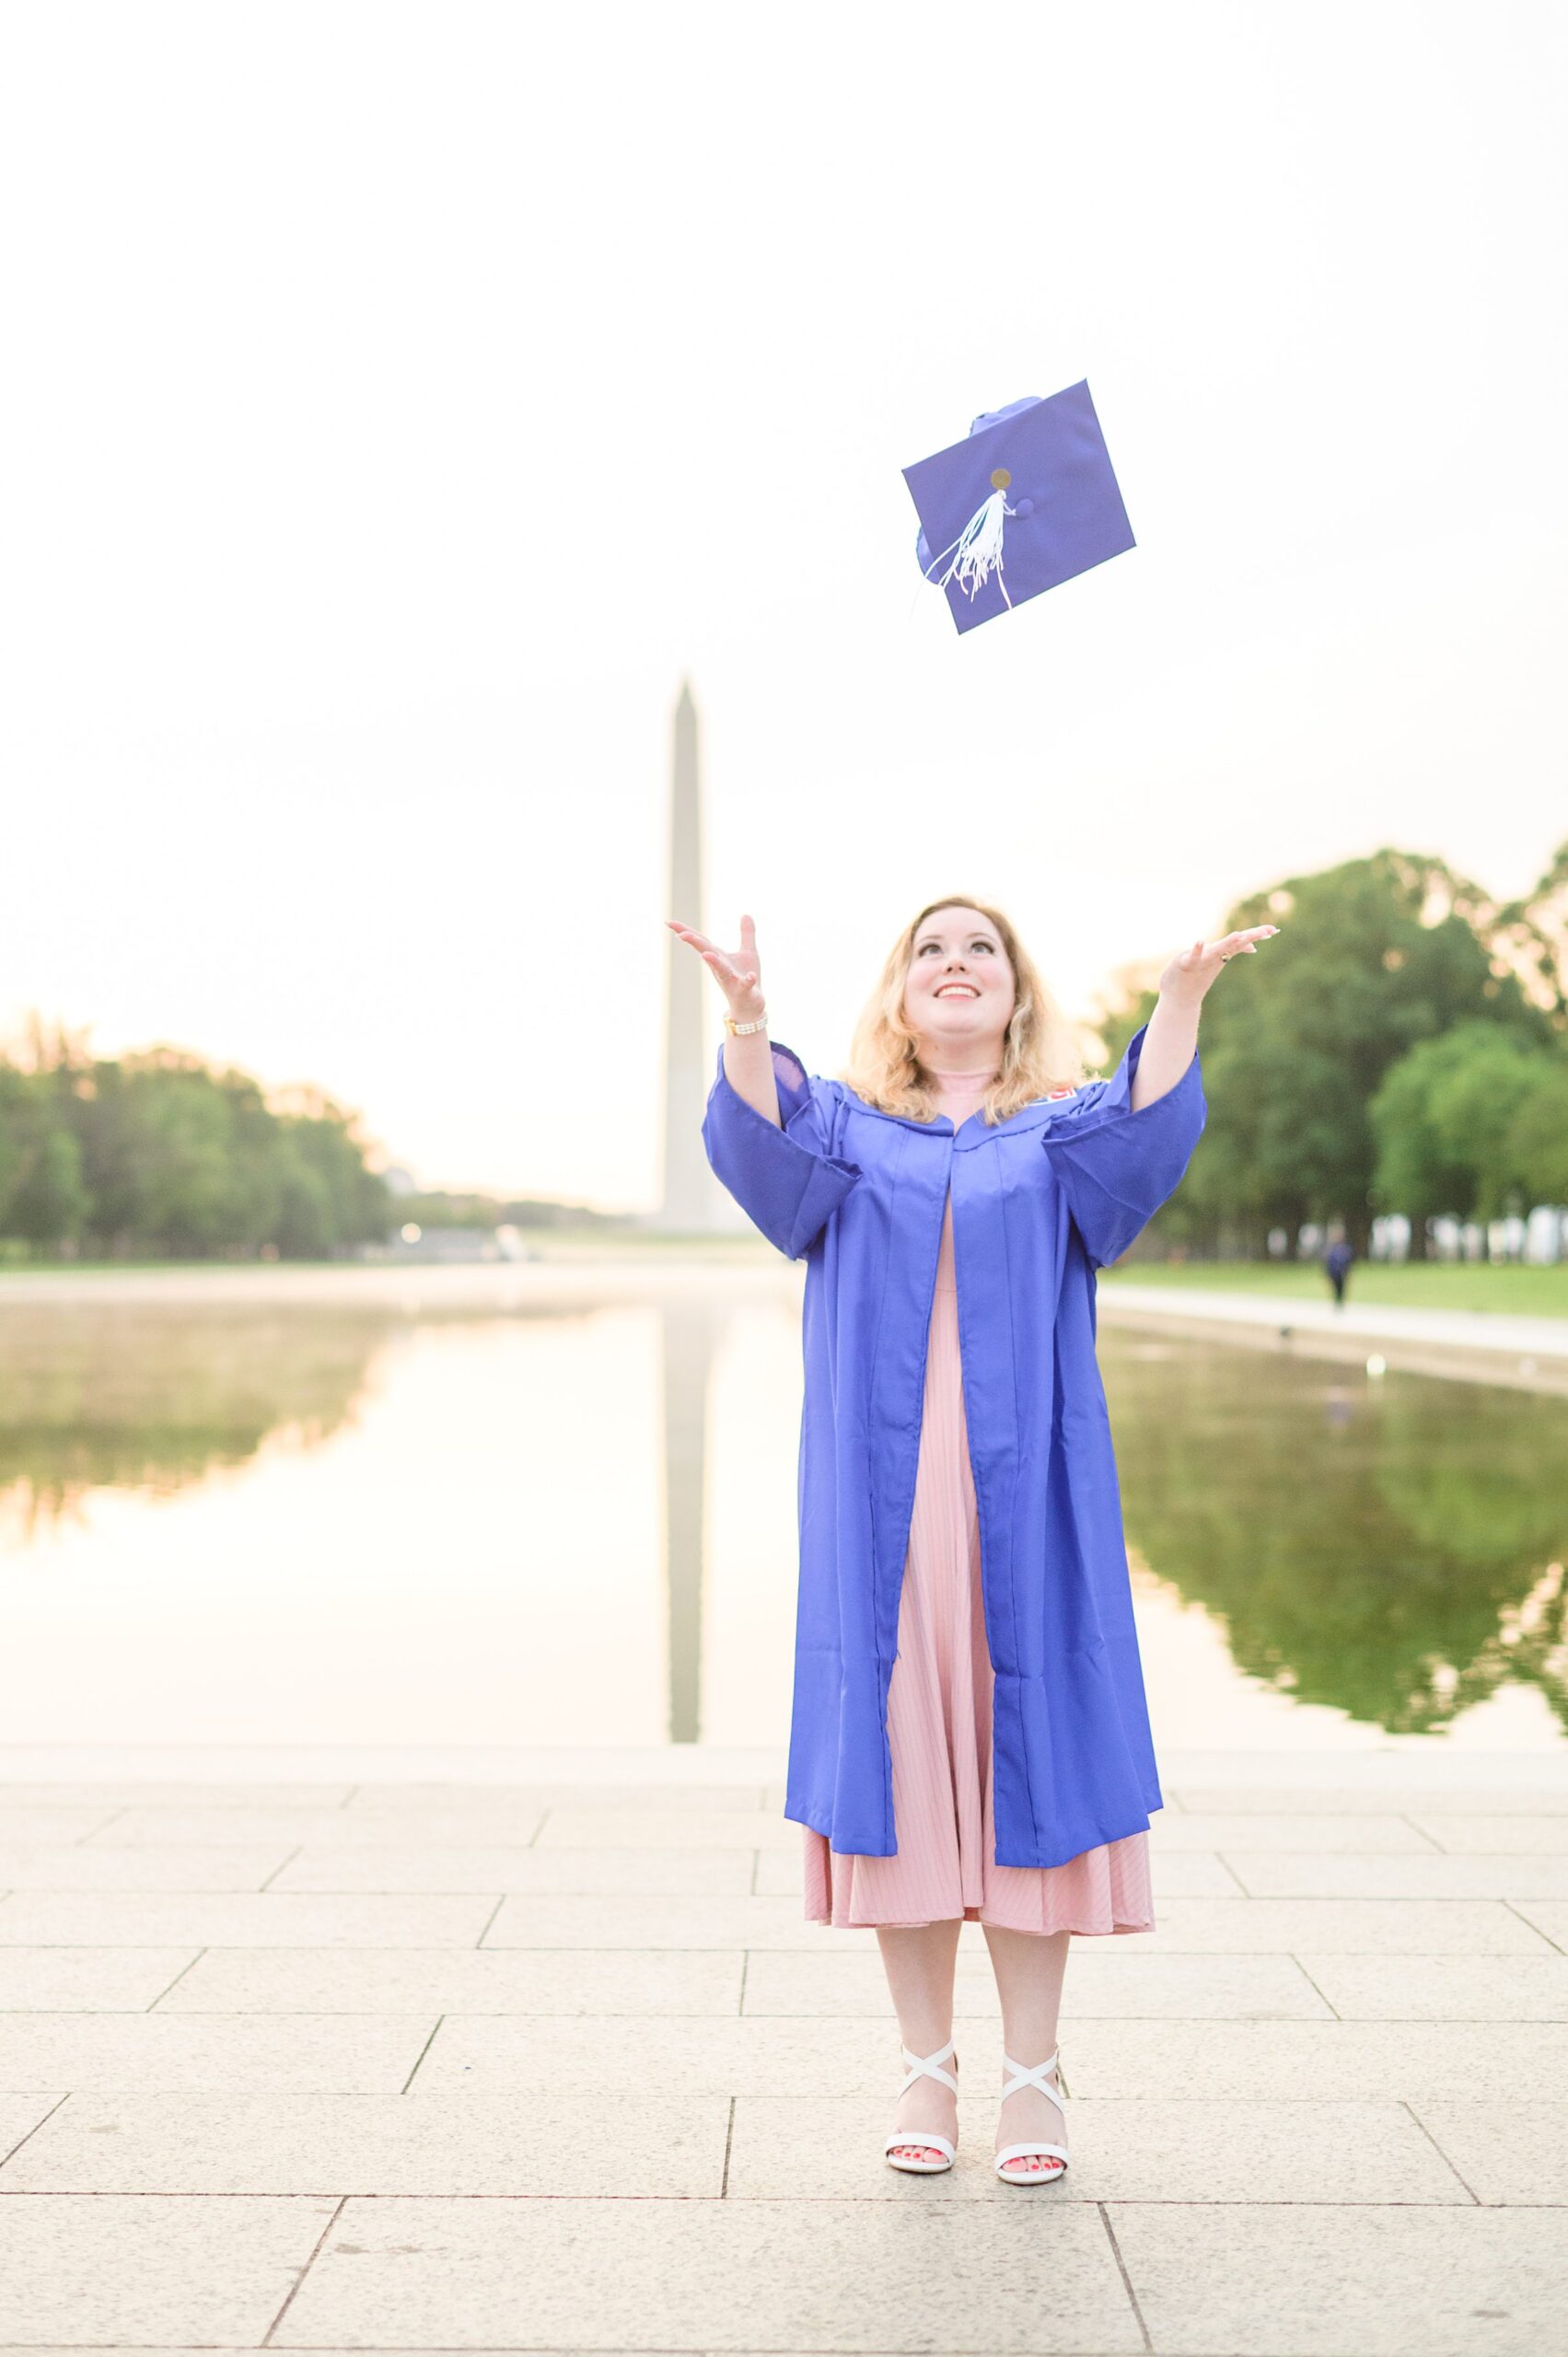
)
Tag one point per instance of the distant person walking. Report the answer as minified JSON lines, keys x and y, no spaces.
{"x":970,"y":1736}
{"x":1336,"y":1264}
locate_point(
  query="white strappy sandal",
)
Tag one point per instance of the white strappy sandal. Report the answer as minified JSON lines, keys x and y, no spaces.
{"x":927,"y":2066}
{"x":1035,"y":2078}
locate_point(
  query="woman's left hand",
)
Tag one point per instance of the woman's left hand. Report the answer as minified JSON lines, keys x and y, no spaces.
{"x":1189,"y":974}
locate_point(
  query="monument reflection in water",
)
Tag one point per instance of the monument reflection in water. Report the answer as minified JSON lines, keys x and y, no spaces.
{"x":572,"y":1520}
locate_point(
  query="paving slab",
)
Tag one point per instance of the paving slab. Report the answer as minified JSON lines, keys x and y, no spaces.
{"x":1547,"y":1916}
{"x":712,"y":2276}
{"x":815,"y":2148}
{"x":585,"y":2054}
{"x":97,"y":1980}
{"x":1437,"y":1988}
{"x":1309,"y":2060}
{"x":650,"y":1829}
{"x":1270,"y":1874}
{"x":476,"y":1827}
{"x":1266,"y":1795}
{"x":1099,"y":1981}
{"x":86,"y":2270}
{"x":67,"y":1866}
{"x":465,"y":1980}
{"x":662,"y":2146}
{"x":381,"y":1867}
{"x":265,"y":1919}
{"x":659,"y":1794}
{"x":19,"y":2115}
{"x":30,"y":1821}
{"x":444,"y":2009}
{"x":112,"y":1794}
{"x":346,"y":2052}
{"x":1475,"y":1836}
{"x":1170,"y":1831}
{"x":1347,"y":1926}
{"x":1333,"y":2280}
{"x":658,"y":1920}
{"x":1507,"y":2153}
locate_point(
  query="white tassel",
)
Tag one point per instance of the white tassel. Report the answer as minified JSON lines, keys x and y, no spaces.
{"x":977,"y":551}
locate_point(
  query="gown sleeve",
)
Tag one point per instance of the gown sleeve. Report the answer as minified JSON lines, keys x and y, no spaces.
{"x":785,"y":1180}
{"x":1117,"y":1167}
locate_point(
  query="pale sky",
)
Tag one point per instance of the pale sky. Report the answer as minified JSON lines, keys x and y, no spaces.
{"x":399,"y":399}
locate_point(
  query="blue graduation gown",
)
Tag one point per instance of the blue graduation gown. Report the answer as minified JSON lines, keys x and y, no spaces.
{"x":1040,"y":1202}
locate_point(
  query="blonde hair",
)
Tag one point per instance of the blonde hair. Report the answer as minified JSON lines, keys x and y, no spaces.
{"x":1038,"y":1052}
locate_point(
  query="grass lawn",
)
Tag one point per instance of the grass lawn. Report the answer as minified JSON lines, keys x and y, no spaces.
{"x":1525,"y":1291}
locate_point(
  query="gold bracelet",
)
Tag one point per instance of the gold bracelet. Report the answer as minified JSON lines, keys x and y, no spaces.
{"x":744,"y":1030}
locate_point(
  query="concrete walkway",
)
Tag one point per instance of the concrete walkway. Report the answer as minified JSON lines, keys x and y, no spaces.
{"x":1474,"y":1345}
{"x":536,"y":2053}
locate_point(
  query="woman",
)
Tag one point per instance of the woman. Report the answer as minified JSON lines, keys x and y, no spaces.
{"x":970,"y":1736}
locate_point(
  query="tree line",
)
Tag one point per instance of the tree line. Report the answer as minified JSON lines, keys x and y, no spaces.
{"x":1401,"y":1048}
{"x":158,"y":1155}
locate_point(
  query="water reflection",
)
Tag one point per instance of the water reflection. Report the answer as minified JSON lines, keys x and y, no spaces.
{"x":689,"y":1332}
{"x":94,"y":1398}
{"x":392,"y":1519}
{"x":568,"y":1517}
{"x":1393,"y":1549}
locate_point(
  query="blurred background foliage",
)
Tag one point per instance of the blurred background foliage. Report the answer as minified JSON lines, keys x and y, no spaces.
{"x":1400,"y":1046}
{"x":157,"y":1154}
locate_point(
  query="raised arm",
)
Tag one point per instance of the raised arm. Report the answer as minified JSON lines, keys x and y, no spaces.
{"x":763,"y":1130}
{"x":1120,"y":1148}
{"x":1170,"y":1036}
{"x":748,"y":1061}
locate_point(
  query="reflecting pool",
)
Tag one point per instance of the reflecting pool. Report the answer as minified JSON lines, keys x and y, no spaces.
{"x":538,"y":1506}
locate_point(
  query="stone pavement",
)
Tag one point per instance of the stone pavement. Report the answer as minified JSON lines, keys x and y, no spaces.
{"x":1477,"y":1345}
{"x":363,"y":2053}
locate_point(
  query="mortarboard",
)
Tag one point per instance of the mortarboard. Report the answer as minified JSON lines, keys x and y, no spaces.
{"x":1037,"y":475}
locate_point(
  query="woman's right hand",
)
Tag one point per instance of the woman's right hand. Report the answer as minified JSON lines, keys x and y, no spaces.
{"x":748,"y":1063}
{"x":737,"y":972}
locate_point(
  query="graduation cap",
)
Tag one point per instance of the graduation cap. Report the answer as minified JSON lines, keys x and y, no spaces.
{"x":1027,"y":501}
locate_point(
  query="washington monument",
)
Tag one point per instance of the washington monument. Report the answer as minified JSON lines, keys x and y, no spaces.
{"x":692,"y":1203}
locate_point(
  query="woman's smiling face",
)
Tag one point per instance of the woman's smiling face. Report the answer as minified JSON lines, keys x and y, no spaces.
{"x":959,"y":993}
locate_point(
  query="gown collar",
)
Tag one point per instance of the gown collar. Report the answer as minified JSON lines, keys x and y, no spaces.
{"x":970,"y":1132}
{"x":973,"y":1132}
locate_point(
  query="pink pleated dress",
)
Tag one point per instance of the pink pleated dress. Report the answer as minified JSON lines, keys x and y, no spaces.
{"x":939,"y":1706}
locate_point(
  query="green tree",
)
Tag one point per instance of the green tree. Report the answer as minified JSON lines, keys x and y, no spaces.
{"x":1531,"y":936}
{"x":43,"y":1196}
{"x":331,"y":1179}
{"x":1537,"y":1133}
{"x":1373,"y":957}
{"x":186,"y":1184}
{"x":157,"y":1153}
{"x":1445,"y":1123}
